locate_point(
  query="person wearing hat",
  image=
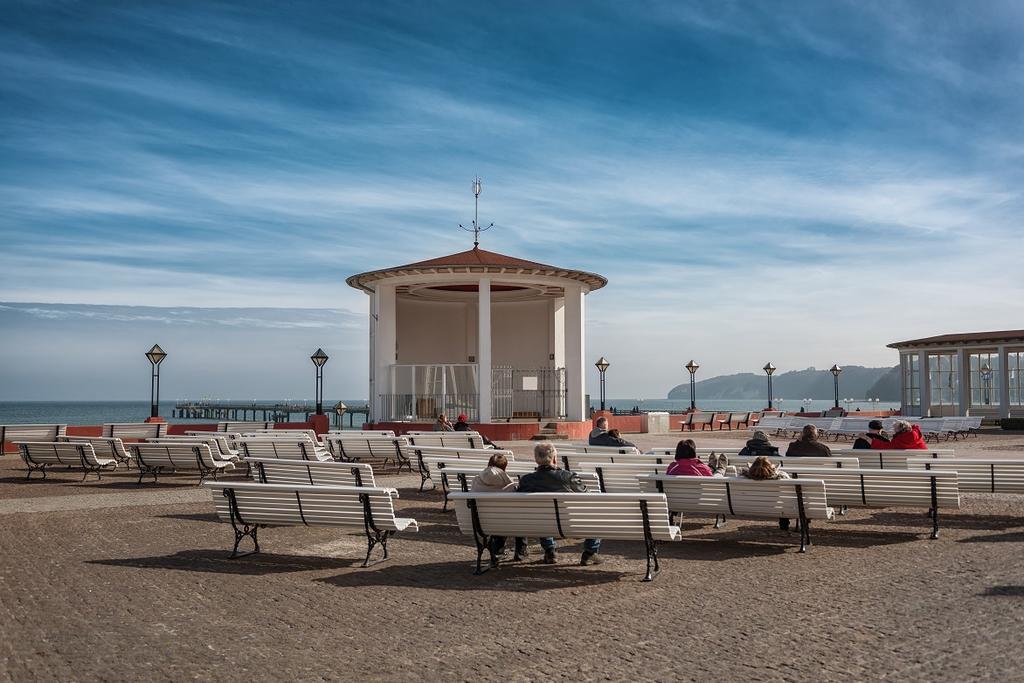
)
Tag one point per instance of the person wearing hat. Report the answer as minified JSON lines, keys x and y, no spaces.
{"x":759,"y":445}
{"x":874,"y":432}
{"x":462,"y":423}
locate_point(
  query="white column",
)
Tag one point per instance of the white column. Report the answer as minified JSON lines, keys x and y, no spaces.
{"x":575,"y":348}
{"x":1004,"y":382}
{"x":926,"y":383}
{"x":484,"y":348}
{"x":371,"y":397}
{"x":385,"y":347}
{"x":964,"y":385}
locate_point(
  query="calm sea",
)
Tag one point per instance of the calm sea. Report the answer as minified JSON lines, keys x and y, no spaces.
{"x":98,"y":412}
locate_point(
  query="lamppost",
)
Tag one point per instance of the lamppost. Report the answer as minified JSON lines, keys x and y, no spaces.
{"x":340,"y":409}
{"x":692,"y":368}
{"x":319,"y":358}
{"x":769,"y":370}
{"x":602,"y":366}
{"x":156,"y":356}
{"x":835,"y":370}
{"x":986,"y":378}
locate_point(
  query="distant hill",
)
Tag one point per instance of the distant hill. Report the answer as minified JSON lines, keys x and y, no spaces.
{"x":854,"y":382}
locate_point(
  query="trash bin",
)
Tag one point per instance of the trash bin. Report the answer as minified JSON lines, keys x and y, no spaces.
{"x":656,"y":422}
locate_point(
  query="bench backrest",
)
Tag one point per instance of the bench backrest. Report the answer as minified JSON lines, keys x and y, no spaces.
{"x":883,"y":488}
{"x":361,"y":433}
{"x":621,"y":477}
{"x":370,"y":448}
{"x":243,"y":426}
{"x":193,"y":455}
{"x":702,"y":419}
{"x":585,"y":448}
{"x":741,"y":497}
{"x":623,"y":516}
{"x":311,"y":473}
{"x":135,"y":430}
{"x":460,"y":476}
{"x":60,"y":453}
{"x":991,"y":475}
{"x":106,"y":447}
{"x":291,"y":504}
{"x":37,"y":433}
{"x":289,"y":449}
{"x":572,"y":461}
{"x":892,"y":459}
{"x":218,"y":446}
{"x":449,"y":439}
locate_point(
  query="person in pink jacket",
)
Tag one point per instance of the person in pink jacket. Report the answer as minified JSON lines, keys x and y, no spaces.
{"x":687,"y":464}
{"x":906,"y":437}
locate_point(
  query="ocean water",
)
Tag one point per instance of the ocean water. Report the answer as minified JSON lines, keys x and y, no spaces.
{"x":98,"y":412}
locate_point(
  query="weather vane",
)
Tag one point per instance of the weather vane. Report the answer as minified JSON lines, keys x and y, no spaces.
{"x":476,"y":229}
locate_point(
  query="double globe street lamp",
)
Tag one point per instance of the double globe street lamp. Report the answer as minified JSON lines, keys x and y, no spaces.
{"x":156,"y":356}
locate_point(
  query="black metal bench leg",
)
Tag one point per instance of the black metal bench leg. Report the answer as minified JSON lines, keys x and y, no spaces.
{"x":246,"y":530}
{"x":652,"y":559}
{"x":370,"y":542}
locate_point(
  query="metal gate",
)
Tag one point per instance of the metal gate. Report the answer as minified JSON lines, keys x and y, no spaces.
{"x":527,"y":393}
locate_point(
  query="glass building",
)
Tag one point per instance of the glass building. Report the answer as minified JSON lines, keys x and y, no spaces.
{"x":977,"y":373}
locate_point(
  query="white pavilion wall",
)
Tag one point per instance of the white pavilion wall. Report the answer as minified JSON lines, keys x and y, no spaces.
{"x":435,"y":332}
{"x":521,"y":333}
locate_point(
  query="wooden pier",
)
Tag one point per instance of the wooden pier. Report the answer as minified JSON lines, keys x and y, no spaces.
{"x":242,"y":411}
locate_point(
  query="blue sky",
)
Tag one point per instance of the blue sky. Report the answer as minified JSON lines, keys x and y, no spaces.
{"x":795,"y":182}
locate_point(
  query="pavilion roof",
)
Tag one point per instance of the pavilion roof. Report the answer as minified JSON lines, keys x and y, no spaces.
{"x":974,"y":338}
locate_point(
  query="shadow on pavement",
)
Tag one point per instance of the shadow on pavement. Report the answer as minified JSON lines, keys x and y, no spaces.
{"x":530,"y":577}
{"x":216,"y":561}
{"x":1005,"y":591}
{"x":946,"y":520}
{"x":194,"y":517}
{"x":1011,"y":537}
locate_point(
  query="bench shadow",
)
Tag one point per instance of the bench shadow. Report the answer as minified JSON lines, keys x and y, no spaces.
{"x":1004,"y":591}
{"x":217,"y":562}
{"x":194,"y":517}
{"x":946,"y":520}
{"x":1010,"y":537}
{"x":530,"y":577}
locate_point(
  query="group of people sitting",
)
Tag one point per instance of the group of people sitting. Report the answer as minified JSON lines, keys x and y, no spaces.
{"x":549,"y":478}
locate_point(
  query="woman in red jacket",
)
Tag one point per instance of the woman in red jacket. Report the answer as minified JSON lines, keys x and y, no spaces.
{"x":906,"y":437}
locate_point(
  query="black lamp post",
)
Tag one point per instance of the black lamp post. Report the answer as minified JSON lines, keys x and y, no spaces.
{"x":319,"y":358}
{"x":835,"y":370}
{"x":692,"y":367}
{"x":769,"y":370}
{"x":602,"y":366}
{"x":156,"y":356}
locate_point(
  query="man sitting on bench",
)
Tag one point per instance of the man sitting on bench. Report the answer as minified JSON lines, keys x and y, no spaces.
{"x":601,"y":436}
{"x":549,"y":479}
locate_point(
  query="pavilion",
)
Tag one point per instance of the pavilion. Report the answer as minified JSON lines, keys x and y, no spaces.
{"x":495,"y":337}
{"x":977,"y":373}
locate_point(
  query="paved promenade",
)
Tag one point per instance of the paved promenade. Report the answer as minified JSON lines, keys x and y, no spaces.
{"x":111,"y":581}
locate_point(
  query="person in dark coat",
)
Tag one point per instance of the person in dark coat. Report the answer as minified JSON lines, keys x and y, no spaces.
{"x":808,"y":445}
{"x":759,"y":445}
{"x":874,"y":432}
{"x":549,"y":479}
{"x":610,"y":438}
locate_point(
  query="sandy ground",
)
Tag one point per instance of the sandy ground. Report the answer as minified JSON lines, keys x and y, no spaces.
{"x":111,"y":581}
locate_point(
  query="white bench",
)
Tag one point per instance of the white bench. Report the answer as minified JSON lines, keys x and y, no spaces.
{"x":105,"y":447}
{"x":250,"y":506}
{"x":40,"y":455}
{"x":217,"y":446}
{"x":886,"y":488}
{"x":285,"y":434}
{"x":291,"y":449}
{"x":803,"y":499}
{"x":585,"y":448}
{"x":361,"y":433}
{"x":374,"y":450}
{"x":626,"y":516}
{"x":243,"y":426}
{"x":460,"y":477}
{"x":155,"y":458}
{"x":468,"y":458}
{"x":36,"y":432}
{"x":135,"y":430}
{"x":570,"y":461}
{"x":311,"y":472}
{"x":982,"y":475}
{"x":620,"y":477}
{"x":418,"y":454}
{"x":891,"y":459}
{"x":447,"y":439}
